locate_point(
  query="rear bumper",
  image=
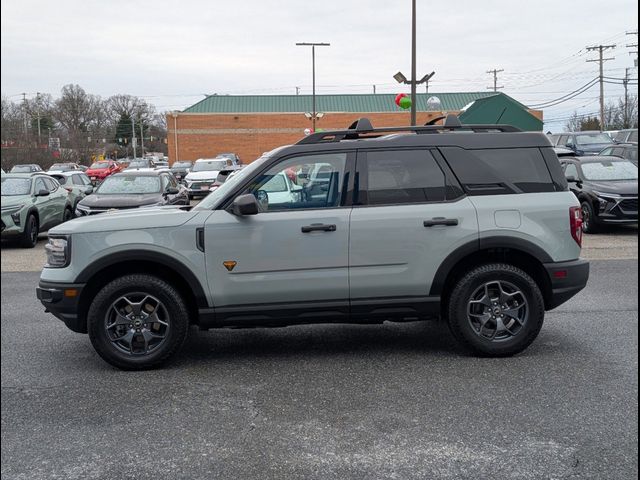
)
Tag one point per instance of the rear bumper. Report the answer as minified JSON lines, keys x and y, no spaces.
{"x":567,"y":279}
{"x":62,"y":300}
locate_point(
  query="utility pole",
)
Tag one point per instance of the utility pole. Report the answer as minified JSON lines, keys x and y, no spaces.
{"x":313,"y":46}
{"x":633,"y":45}
{"x":38,"y":113}
{"x":374,"y":89}
{"x":141,"y":138}
{"x":601,"y":49}
{"x":495,"y":73}
{"x":133,"y":138}
{"x":413,"y":63}
{"x":625,"y":82}
{"x":297,"y":90}
{"x":24,"y":113}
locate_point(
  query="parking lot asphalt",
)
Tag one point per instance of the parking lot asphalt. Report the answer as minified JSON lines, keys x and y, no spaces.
{"x":328,"y":401}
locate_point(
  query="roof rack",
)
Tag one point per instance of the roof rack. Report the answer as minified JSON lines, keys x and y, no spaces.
{"x":363,"y":126}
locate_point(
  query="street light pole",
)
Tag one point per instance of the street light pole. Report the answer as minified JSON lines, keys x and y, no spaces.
{"x":313,"y":73}
{"x":413,"y":62}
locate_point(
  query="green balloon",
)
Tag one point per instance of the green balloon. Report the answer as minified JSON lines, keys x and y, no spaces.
{"x":405,"y":102}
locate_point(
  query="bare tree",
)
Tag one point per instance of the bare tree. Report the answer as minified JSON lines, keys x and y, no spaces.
{"x":81,"y":117}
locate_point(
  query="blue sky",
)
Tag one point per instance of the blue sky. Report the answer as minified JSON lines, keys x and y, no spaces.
{"x":173,"y":53}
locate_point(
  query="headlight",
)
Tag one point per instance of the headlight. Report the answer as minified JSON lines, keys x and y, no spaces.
{"x":82,"y":210}
{"x":607,"y":200}
{"x":12,"y":210}
{"x":58,"y":250}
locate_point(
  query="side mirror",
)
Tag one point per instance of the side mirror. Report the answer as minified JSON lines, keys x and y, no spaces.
{"x":88,"y":191}
{"x":571,"y":179}
{"x":245,"y":205}
{"x":42,"y":193}
{"x":172,"y":191}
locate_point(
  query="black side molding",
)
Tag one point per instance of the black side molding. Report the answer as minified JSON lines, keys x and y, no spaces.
{"x":200,"y":238}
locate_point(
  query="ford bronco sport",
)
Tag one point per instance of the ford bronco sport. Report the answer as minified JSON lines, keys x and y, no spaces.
{"x":472,"y":224}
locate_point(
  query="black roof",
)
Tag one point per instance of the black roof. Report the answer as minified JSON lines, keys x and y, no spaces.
{"x":361,"y":134}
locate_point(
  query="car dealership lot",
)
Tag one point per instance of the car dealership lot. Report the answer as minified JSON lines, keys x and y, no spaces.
{"x":329,"y":401}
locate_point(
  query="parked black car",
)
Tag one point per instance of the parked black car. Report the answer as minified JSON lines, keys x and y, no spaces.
{"x":585,"y":143}
{"x":607,"y":188}
{"x":132,"y":189}
{"x":180,"y":169}
{"x":628,"y":151}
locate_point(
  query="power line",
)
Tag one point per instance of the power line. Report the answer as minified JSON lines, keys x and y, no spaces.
{"x":568,"y":96}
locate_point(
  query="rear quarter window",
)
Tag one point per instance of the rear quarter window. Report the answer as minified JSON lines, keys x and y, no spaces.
{"x":501,"y":171}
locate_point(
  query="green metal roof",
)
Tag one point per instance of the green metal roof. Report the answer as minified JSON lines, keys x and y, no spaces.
{"x":383,"y":102}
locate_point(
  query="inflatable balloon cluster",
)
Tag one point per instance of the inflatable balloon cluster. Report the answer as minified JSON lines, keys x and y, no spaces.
{"x":403,"y":101}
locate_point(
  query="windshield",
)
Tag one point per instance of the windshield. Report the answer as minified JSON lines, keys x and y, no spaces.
{"x":610,"y":171}
{"x":61,"y":167}
{"x":593,"y":138}
{"x":209,"y":166}
{"x":181,"y":165}
{"x":139,"y":164}
{"x":15,"y":186}
{"x":22,"y":169}
{"x":100,"y":165}
{"x":129,"y":185}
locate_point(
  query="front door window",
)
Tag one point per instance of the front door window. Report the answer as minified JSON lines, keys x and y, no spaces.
{"x":309,"y":182}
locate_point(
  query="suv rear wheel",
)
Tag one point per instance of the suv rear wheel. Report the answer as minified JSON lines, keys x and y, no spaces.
{"x":137,"y":322}
{"x":496,"y":310}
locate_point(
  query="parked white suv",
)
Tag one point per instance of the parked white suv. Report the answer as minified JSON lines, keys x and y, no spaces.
{"x":203,"y":173}
{"x":477,"y":229}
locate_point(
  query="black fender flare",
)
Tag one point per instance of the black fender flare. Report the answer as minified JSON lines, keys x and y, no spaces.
{"x":147,"y":256}
{"x":487,"y":243}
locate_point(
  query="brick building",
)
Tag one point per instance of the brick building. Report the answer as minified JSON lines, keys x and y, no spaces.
{"x":252,"y":124}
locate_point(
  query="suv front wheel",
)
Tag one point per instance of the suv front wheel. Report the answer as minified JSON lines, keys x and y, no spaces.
{"x":496,"y":310}
{"x":137,"y":321}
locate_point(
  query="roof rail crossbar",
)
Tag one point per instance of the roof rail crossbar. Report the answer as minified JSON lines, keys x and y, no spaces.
{"x":363,"y":126}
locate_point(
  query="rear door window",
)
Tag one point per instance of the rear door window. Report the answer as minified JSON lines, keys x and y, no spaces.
{"x":403,"y":176}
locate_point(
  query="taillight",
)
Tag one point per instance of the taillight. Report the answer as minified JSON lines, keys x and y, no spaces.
{"x":575,"y":216}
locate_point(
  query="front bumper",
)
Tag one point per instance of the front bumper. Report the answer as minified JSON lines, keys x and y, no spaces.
{"x":62,"y":300}
{"x":617,"y":210}
{"x":9,"y":228}
{"x":567,"y":279}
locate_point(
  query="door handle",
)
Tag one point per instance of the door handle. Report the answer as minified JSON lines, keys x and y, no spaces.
{"x":446,"y":222}
{"x":318,"y":227}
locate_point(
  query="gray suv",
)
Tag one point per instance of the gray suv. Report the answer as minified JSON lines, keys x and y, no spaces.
{"x":471,"y":224}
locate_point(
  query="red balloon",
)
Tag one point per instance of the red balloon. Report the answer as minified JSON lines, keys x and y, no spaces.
{"x":399,"y":97}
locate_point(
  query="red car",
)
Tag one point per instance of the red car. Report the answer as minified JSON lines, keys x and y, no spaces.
{"x":98,"y":171}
